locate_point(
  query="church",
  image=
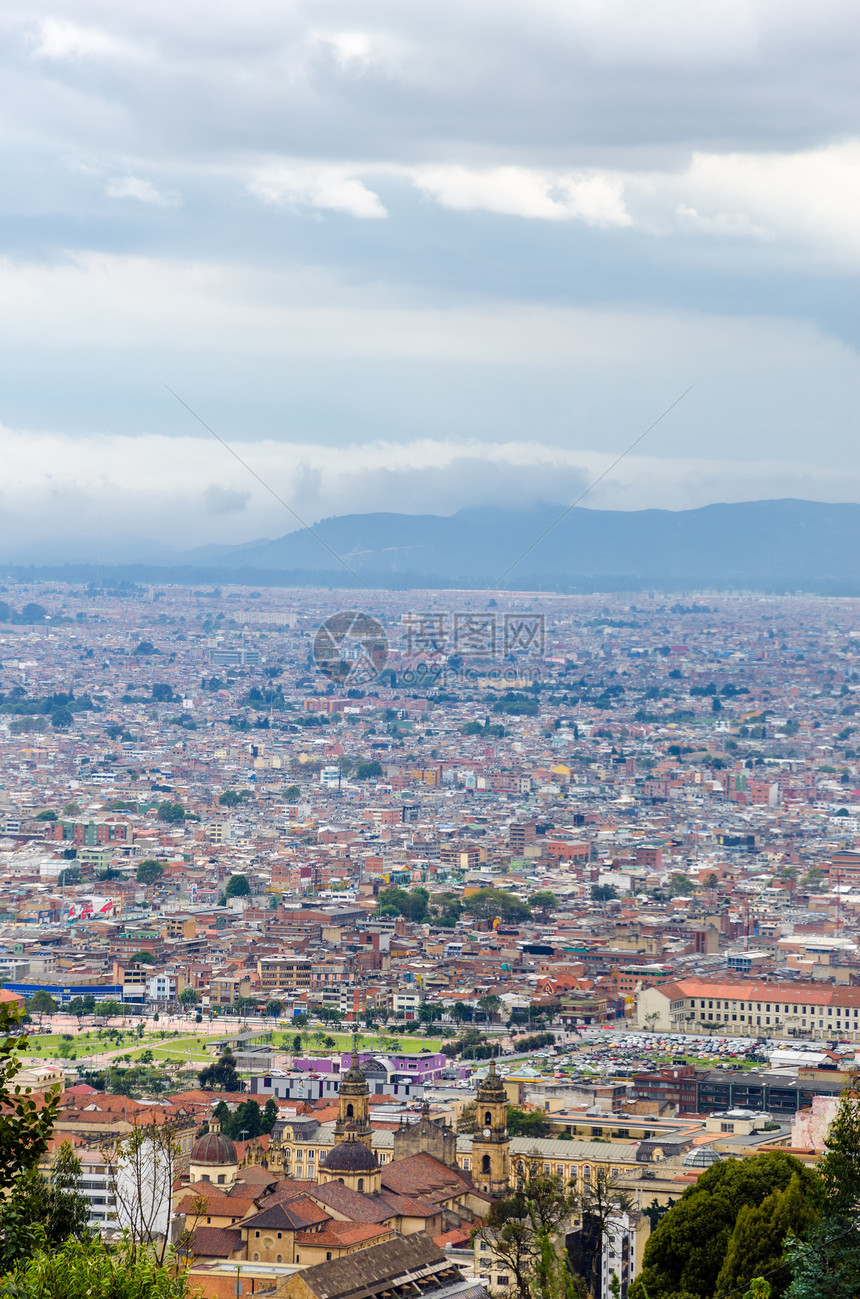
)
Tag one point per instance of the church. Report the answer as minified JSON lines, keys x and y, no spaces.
{"x":284,"y":1209}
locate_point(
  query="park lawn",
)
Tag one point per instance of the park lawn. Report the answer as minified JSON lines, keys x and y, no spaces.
{"x":410,"y":1044}
{"x":81,"y":1043}
{"x":187,"y":1049}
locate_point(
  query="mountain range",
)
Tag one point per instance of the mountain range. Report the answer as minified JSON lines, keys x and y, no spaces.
{"x":771,"y":545}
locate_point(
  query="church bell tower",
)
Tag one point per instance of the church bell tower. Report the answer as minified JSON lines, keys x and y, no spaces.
{"x":353,"y":1119}
{"x":491,"y":1164}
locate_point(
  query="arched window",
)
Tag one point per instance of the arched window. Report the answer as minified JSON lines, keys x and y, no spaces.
{"x":349,"y":1111}
{"x":485,"y":1164}
{"x":279,"y":1259}
{"x":488,"y":1120}
{"x":256,"y":1258}
{"x":328,"y":1257}
{"x":361,"y":1183}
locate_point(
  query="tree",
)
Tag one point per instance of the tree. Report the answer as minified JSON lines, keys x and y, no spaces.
{"x":760,"y":1232}
{"x":188,"y":997}
{"x":162,"y":692}
{"x":489,"y":903}
{"x":602,"y":1200}
{"x":43,"y":1211}
{"x":221,"y":1075}
{"x":692,"y":1243}
{"x":828,"y":1262}
{"x":90,"y":1269}
{"x":110,"y":1008}
{"x":490,"y":1004}
{"x":411,"y":903}
{"x":527,"y":1123}
{"x":297,"y":1044}
{"x":237,"y":887}
{"x":231,"y":798}
{"x":603,"y":892}
{"x":172,"y":813}
{"x":149,"y":872}
{"x":61,"y":719}
{"x":25,"y":1125}
{"x":142,"y":958}
{"x":142,"y":1167}
{"x":270,"y":1115}
{"x":69,"y":875}
{"x":274,"y":1007}
{"x":467,"y":1117}
{"x":41,"y":1003}
{"x":520,"y":1225}
{"x":543,"y":902}
{"x":679,"y":884}
{"x":368,"y":770}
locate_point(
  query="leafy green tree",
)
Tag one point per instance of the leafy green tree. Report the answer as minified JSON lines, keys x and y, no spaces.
{"x":69,"y":875}
{"x":172,"y":813}
{"x":520,"y":1225}
{"x":270,"y":1115}
{"x":489,"y":903}
{"x":142,"y":958}
{"x":274,"y":1007}
{"x":221,"y":1075}
{"x":543,"y":902}
{"x":43,"y":1211}
{"x":687,"y":1252}
{"x":527,"y":1123}
{"x":110,"y":1008}
{"x":188,"y":997}
{"x":679,"y":885}
{"x":149,"y":872}
{"x":162,"y":692}
{"x":46,"y":816}
{"x":233,"y":798}
{"x":82,"y":1005}
{"x":760,"y":1232}
{"x":490,"y":1005}
{"x":368,"y":770}
{"x":237,"y":887}
{"x":25,"y":1126}
{"x":41,"y":1003}
{"x":603,"y":892}
{"x":89,"y":1269}
{"x":827,"y":1263}
{"x":411,"y":903}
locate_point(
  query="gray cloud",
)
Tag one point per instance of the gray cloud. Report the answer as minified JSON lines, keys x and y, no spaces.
{"x":383,"y":245}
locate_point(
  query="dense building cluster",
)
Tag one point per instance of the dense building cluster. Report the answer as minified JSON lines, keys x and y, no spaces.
{"x":612,"y":842}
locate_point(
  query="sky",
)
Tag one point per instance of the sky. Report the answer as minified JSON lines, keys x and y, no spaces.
{"x":410,"y":256}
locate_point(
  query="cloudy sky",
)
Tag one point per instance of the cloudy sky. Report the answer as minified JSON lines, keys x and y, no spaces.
{"x":418,"y":256}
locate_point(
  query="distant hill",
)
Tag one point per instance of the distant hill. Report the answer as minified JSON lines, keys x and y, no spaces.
{"x":777,"y":546}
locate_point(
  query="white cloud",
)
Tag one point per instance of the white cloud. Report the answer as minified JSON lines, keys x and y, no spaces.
{"x":142,"y":190}
{"x":58,"y":39}
{"x":316,"y":185}
{"x":361,"y":51}
{"x":517,"y":191}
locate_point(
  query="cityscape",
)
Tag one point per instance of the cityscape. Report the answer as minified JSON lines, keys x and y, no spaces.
{"x":308,"y":889}
{"x":429,"y":650}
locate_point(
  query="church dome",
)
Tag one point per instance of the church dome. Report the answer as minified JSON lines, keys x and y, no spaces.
{"x":213,"y":1148}
{"x":350,"y":1157}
